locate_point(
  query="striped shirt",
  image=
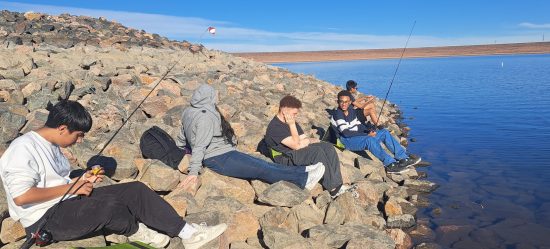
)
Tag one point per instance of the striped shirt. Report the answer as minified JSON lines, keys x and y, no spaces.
{"x":348,"y":126}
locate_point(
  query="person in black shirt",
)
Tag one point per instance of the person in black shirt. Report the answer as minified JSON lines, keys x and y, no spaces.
{"x":292,"y":147}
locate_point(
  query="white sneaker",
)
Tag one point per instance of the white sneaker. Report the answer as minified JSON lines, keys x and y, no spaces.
{"x":313,"y":166}
{"x":150,"y":237}
{"x":203,"y":235}
{"x":314,"y":176}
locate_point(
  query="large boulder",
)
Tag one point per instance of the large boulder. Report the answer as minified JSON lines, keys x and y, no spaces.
{"x":12,"y":231}
{"x":157,"y":174}
{"x":240,"y":220}
{"x":345,"y":206}
{"x":279,"y":217}
{"x":307,"y":215}
{"x":12,"y":117}
{"x":339,"y":235}
{"x":283,"y":194}
{"x":278,"y":238}
{"x":182,"y":202}
{"x":214,"y":184}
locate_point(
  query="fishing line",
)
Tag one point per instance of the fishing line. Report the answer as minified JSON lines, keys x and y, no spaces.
{"x":395,"y":73}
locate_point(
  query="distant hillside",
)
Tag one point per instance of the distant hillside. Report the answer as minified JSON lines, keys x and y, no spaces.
{"x":341,"y":55}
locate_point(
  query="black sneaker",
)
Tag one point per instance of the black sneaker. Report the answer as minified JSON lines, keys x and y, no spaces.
{"x":410,"y":161}
{"x":395,"y":167}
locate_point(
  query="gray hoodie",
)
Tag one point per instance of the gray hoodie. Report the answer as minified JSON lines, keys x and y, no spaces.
{"x":201,"y":128}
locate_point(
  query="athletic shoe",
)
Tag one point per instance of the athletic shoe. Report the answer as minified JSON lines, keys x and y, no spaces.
{"x":150,"y":237}
{"x":314,"y":176}
{"x":203,"y":235}
{"x":346,"y":188}
{"x":396,"y":167}
{"x":410,"y":161}
{"x":313,"y":167}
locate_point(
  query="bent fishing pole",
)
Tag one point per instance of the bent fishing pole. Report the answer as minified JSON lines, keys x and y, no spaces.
{"x":42,"y":237}
{"x":394,"y":74}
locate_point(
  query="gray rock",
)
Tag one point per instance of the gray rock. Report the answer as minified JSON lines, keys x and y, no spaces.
{"x":255,"y":242}
{"x":159,"y":176}
{"x":368,"y":243}
{"x":35,"y":120}
{"x":124,"y":154}
{"x":338,"y":235}
{"x":225,"y":206}
{"x":307,"y":215}
{"x":334,"y":214}
{"x":12,"y":118}
{"x":259,"y":186}
{"x":420,"y":185}
{"x":175,"y":243}
{"x":183,"y":202}
{"x":40,"y":99}
{"x":279,"y":238}
{"x":209,"y":217}
{"x":242,"y":245}
{"x":323,"y":200}
{"x":399,"y":191}
{"x":400,"y":221}
{"x":14,"y":74}
{"x":8,"y":84}
{"x":345,"y":205}
{"x":275,"y":217}
{"x":283,"y":194}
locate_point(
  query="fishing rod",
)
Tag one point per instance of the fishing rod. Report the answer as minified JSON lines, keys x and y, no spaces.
{"x":395,"y":73}
{"x":42,"y":237}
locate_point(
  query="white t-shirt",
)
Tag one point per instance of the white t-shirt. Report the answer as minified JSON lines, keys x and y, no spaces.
{"x":32,"y":161}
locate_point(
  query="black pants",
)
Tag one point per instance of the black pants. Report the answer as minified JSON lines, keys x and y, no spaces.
{"x":113,"y":209}
{"x":312,"y":154}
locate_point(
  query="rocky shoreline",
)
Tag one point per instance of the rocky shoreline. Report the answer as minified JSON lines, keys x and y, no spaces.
{"x":111,"y":78}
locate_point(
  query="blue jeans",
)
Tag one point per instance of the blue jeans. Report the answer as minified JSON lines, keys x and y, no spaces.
{"x":372,"y":144}
{"x":239,"y":165}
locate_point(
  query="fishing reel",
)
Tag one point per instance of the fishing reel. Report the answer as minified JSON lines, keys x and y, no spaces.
{"x":42,"y":238}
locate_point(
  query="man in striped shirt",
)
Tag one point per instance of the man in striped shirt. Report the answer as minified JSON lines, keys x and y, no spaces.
{"x":356,"y":136}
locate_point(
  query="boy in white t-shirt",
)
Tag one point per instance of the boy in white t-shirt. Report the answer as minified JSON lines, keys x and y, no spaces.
{"x":35,"y":175}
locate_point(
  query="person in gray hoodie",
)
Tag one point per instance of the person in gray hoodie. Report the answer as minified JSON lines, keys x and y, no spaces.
{"x":212,"y":141}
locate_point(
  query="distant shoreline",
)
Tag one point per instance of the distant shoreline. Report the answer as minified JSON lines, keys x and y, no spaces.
{"x":392,"y":53}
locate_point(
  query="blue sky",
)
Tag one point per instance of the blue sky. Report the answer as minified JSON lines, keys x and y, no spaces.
{"x":247,"y":26}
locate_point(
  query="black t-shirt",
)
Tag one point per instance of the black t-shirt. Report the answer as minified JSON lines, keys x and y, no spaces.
{"x":276,"y":131}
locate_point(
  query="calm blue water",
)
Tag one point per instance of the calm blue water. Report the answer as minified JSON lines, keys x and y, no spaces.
{"x":484,"y":123}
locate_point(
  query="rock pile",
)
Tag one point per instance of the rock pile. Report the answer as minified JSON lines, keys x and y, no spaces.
{"x":110,"y":76}
{"x":67,"y":31}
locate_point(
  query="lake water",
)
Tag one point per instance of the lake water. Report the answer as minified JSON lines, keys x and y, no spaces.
{"x":484,"y":123}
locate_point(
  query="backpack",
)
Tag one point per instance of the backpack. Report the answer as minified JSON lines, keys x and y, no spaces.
{"x":155,"y":143}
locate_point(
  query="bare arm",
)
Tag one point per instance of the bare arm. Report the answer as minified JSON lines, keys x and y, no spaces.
{"x":294,"y":141}
{"x":37,"y":195}
{"x":363,"y":101}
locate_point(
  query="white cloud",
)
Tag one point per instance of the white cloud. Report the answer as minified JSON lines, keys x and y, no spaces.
{"x":233,"y":38}
{"x":534,"y":26}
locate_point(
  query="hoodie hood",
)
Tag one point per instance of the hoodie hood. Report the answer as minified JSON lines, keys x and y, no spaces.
{"x":204,"y":97}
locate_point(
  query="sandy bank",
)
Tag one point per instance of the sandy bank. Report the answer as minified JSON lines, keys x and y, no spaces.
{"x":342,"y":55}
